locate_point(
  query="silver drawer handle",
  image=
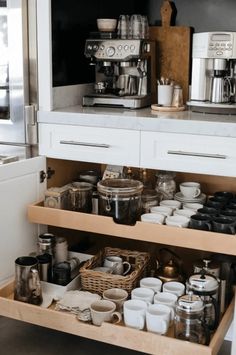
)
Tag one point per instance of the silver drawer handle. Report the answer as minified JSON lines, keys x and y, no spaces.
{"x":193,"y":154}
{"x":84,"y":144}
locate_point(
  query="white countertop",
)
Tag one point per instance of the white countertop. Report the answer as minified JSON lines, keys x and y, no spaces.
{"x":143,"y":120}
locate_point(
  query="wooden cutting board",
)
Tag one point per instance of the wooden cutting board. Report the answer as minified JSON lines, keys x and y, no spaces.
{"x":173,"y":49}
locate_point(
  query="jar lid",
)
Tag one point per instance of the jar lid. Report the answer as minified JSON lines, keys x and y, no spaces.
{"x":203,"y":282}
{"x":120,"y":186}
{"x":190,"y":303}
{"x":81,"y":186}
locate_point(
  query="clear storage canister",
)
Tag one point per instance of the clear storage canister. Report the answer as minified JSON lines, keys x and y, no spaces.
{"x":120,"y":199}
{"x":165,"y":185}
{"x":150,"y":198}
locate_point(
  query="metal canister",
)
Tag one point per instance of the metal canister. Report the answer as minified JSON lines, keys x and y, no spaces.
{"x":46,"y":244}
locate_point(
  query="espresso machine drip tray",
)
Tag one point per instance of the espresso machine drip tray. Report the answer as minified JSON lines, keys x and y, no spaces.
{"x":132,"y":102}
{"x":209,"y":107}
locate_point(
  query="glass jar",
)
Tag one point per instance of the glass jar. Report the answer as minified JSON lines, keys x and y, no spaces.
{"x":150,"y":198}
{"x":80,"y":197}
{"x":120,"y":199}
{"x":189,"y":325}
{"x":165,"y":185}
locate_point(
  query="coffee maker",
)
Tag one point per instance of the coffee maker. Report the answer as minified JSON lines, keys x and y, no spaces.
{"x":125,"y":72}
{"x":213,"y":86}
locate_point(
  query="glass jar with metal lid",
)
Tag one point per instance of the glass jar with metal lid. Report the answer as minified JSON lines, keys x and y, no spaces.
{"x":120,"y":199}
{"x":166,"y":185}
{"x":189,"y":324}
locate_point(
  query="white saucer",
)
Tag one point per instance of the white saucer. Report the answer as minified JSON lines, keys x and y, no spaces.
{"x":180,"y":197}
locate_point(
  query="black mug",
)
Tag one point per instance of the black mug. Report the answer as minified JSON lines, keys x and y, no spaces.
{"x":223,"y":225}
{"x":207,"y":211}
{"x":224,"y":196}
{"x":215,"y":203}
{"x":198,"y":221}
{"x":230,"y":213}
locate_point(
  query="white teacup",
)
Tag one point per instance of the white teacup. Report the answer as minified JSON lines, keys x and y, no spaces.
{"x":143,"y":293}
{"x":173,"y":204}
{"x":116,"y":295}
{"x":165,"y":211}
{"x":168,"y":299}
{"x":175,"y":287}
{"x":184,"y":212}
{"x":190,"y":189}
{"x":153,"y":218}
{"x":158,"y":318}
{"x":177,"y":221}
{"x":134,"y":313}
{"x":104,"y":311}
{"x":192,"y":206}
{"x":151,"y":282}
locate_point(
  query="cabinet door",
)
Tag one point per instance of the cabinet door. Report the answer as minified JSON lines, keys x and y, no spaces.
{"x":19,"y":186}
{"x":189,"y":153}
{"x":90,"y":144}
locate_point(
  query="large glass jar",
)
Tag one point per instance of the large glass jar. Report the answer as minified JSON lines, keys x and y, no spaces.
{"x":165,"y":185}
{"x":120,"y":199}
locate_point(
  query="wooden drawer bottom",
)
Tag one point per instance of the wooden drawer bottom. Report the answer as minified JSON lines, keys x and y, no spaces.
{"x":119,"y":335}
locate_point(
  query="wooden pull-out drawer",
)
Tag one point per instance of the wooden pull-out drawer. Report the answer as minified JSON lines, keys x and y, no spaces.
{"x":148,"y":232}
{"x":189,"y":153}
{"x":119,"y":335}
{"x":90,"y":144}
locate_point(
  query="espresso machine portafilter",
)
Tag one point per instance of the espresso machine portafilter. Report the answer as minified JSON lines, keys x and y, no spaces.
{"x":124,"y":72}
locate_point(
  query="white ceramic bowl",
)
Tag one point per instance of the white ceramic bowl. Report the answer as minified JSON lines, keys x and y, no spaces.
{"x":106,"y":24}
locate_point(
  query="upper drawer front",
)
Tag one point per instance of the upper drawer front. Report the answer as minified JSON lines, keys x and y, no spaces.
{"x":91,"y":144}
{"x":189,"y":153}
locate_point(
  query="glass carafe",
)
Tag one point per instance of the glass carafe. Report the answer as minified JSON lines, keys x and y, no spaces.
{"x":189,"y":325}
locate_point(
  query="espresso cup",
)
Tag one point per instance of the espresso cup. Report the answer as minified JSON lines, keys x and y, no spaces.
{"x":198,"y":221}
{"x":156,"y":218}
{"x":153,"y":283}
{"x":215,"y":203}
{"x":190,"y":189}
{"x":207,"y":211}
{"x":228,"y":213}
{"x":223,"y":195}
{"x":169,"y":300}
{"x":158,"y":318}
{"x":184,"y":212}
{"x":116,"y":295}
{"x":134,"y":313}
{"x":173,"y":204}
{"x":192,"y":206}
{"x":143,"y":293}
{"x":104,"y":311}
{"x":223,"y":225}
{"x":117,"y":264}
{"x":175,"y":287}
{"x":164,"y":210}
{"x":177,"y":221}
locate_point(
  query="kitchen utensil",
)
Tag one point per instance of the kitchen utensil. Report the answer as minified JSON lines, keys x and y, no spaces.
{"x":189,"y":323}
{"x":206,"y":286}
{"x":27,"y":287}
{"x":169,"y":266}
{"x":173,"y":49}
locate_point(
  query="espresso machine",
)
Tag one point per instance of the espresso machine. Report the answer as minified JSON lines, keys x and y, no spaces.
{"x":213,"y":82}
{"x":125,"y":72}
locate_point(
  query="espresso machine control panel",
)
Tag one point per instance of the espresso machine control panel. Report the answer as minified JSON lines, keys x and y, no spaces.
{"x":115,"y":50}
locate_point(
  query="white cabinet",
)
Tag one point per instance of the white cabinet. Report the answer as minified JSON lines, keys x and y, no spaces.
{"x":90,"y":144}
{"x":19,"y":186}
{"x":189,"y":153}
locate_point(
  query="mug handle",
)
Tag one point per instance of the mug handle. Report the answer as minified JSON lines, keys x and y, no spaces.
{"x":209,"y":226}
{"x":141,"y":322}
{"x":128,"y":268}
{"x":198,"y":192}
{"x":116,"y":317}
{"x":232,"y":229}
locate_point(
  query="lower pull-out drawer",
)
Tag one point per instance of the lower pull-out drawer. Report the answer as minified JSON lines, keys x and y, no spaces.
{"x":119,"y":335}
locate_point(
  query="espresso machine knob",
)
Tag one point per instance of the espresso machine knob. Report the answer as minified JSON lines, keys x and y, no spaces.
{"x":110,"y":51}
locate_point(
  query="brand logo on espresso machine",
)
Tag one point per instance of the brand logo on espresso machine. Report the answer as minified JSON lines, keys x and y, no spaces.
{"x":122,"y":72}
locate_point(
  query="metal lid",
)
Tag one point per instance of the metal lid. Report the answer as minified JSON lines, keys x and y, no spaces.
{"x":120,"y":186}
{"x":47,"y":238}
{"x":190,"y":303}
{"x":203,"y":282}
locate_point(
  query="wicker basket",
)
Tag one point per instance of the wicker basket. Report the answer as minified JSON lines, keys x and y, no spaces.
{"x":97,"y":281}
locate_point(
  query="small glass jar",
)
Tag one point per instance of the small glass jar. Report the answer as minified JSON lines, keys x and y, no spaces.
{"x":149,"y":198}
{"x":166,"y":185}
